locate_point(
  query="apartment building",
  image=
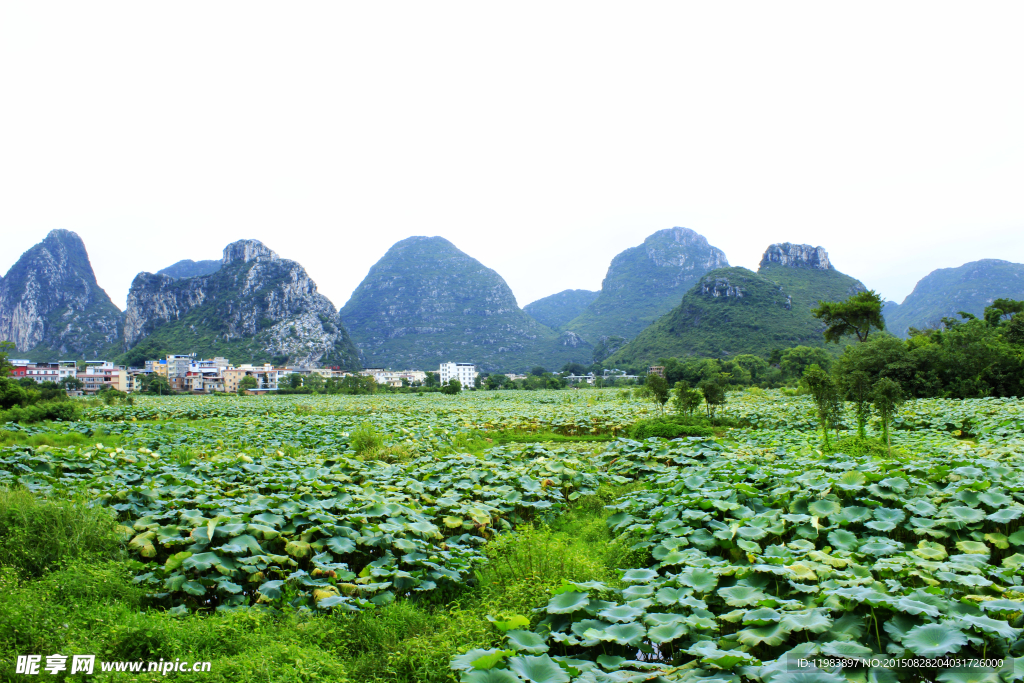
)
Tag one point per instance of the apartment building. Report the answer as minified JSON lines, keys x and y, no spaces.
{"x":464,"y":372}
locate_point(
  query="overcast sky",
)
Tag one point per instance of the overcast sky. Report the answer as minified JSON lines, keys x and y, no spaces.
{"x":540,"y":138}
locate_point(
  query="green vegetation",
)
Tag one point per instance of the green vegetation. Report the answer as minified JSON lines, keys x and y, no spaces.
{"x":384,"y":538}
{"x":672,"y":427}
{"x":26,"y":400}
{"x":966,"y":359}
{"x":947,"y":291}
{"x":733,"y":311}
{"x":558,"y":309}
{"x":858,"y":315}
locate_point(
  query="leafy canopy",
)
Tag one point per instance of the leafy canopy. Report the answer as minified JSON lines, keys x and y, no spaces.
{"x":858,"y":315}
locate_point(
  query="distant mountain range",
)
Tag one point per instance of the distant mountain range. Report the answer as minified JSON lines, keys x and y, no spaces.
{"x":426,"y":302}
{"x":945,"y":292}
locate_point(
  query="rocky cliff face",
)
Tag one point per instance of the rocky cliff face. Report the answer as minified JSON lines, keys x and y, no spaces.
{"x":51,"y":306}
{"x":796,"y":256}
{"x":425,"y":303}
{"x":256,"y":306}
{"x":647,"y":281}
{"x":947,"y":291}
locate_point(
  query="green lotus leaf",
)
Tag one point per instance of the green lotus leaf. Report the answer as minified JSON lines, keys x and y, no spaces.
{"x":932,"y":640}
{"x":538,"y":669}
{"x":1013,"y":561}
{"x":995,"y":499}
{"x":879,"y":525}
{"x":823,"y":508}
{"x":971,"y":675}
{"x":969,"y":472}
{"x":811,"y":620}
{"x":771,"y":635}
{"x":966,"y":515}
{"x":611,"y":662}
{"x":526,"y":641}
{"x":1002,"y":605}
{"x":666,"y":633}
{"x":910,"y":606}
{"x":634,"y":592}
{"x":921,"y":507}
{"x":663,"y":618}
{"x":996,"y":626}
{"x":879,"y":548}
{"x":700,"y":580}
{"x":1005,"y":516}
{"x":749,"y":546}
{"x":625,"y":634}
{"x":175,"y":561}
{"x":273,"y":521}
{"x":297,"y":548}
{"x":930,"y":551}
{"x":973,"y":547}
{"x":854,"y":514}
{"x":842,"y":539}
{"x":620,"y":613}
{"x":467,"y":661}
{"x":851,"y":481}
{"x":671,"y":596}
{"x":889,"y":515}
{"x":741,"y":596}
{"x":761,"y":616}
{"x":584,"y":625}
{"x":752,"y":533}
{"x":490,"y":676}
{"x":194,"y":588}
{"x":897,"y":484}
{"x":639,"y":575}
{"x":271,"y":589}
{"x":568,"y":602}
{"x":516,"y":621}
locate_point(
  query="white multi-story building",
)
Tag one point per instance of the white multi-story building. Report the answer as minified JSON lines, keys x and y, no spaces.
{"x":464,"y":372}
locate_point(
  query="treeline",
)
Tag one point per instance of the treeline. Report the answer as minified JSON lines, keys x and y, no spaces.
{"x":25,"y":400}
{"x":968,"y":357}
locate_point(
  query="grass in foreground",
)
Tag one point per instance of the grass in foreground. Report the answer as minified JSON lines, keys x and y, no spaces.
{"x":66,"y":586}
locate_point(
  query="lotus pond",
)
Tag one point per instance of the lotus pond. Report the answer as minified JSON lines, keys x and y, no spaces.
{"x":752,"y":550}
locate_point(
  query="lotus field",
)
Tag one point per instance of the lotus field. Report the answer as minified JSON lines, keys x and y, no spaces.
{"x":759,"y":554}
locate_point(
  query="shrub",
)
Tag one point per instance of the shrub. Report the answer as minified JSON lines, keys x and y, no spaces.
{"x":67,"y":411}
{"x":365,"y":438}
{"x":671,"y":427}
{"x":39,"y":535}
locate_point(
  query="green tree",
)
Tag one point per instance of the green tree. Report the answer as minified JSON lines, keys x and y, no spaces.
{"x":71,"y":383}
{"x":313,"y":381}
{"x":1002,"y":310}
{"x":537,"y":371}
{"x":156,"y":384}
{"x":497,"y":381}
{"x":685,"y":399}
{"x":713,"y":391}
{"x":452,"y":387}
{"x":659,"y":389}
{"x":432,"y":380}
{"x":858,"y":315}
{"x":248,"y":382}
{"x":857,"y":389}
{"x":887,"y":398}
{"x":574,"y":369}
{"x":827,"y":400}
{"x":796,"y":360}
{"x":294,"y":380}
